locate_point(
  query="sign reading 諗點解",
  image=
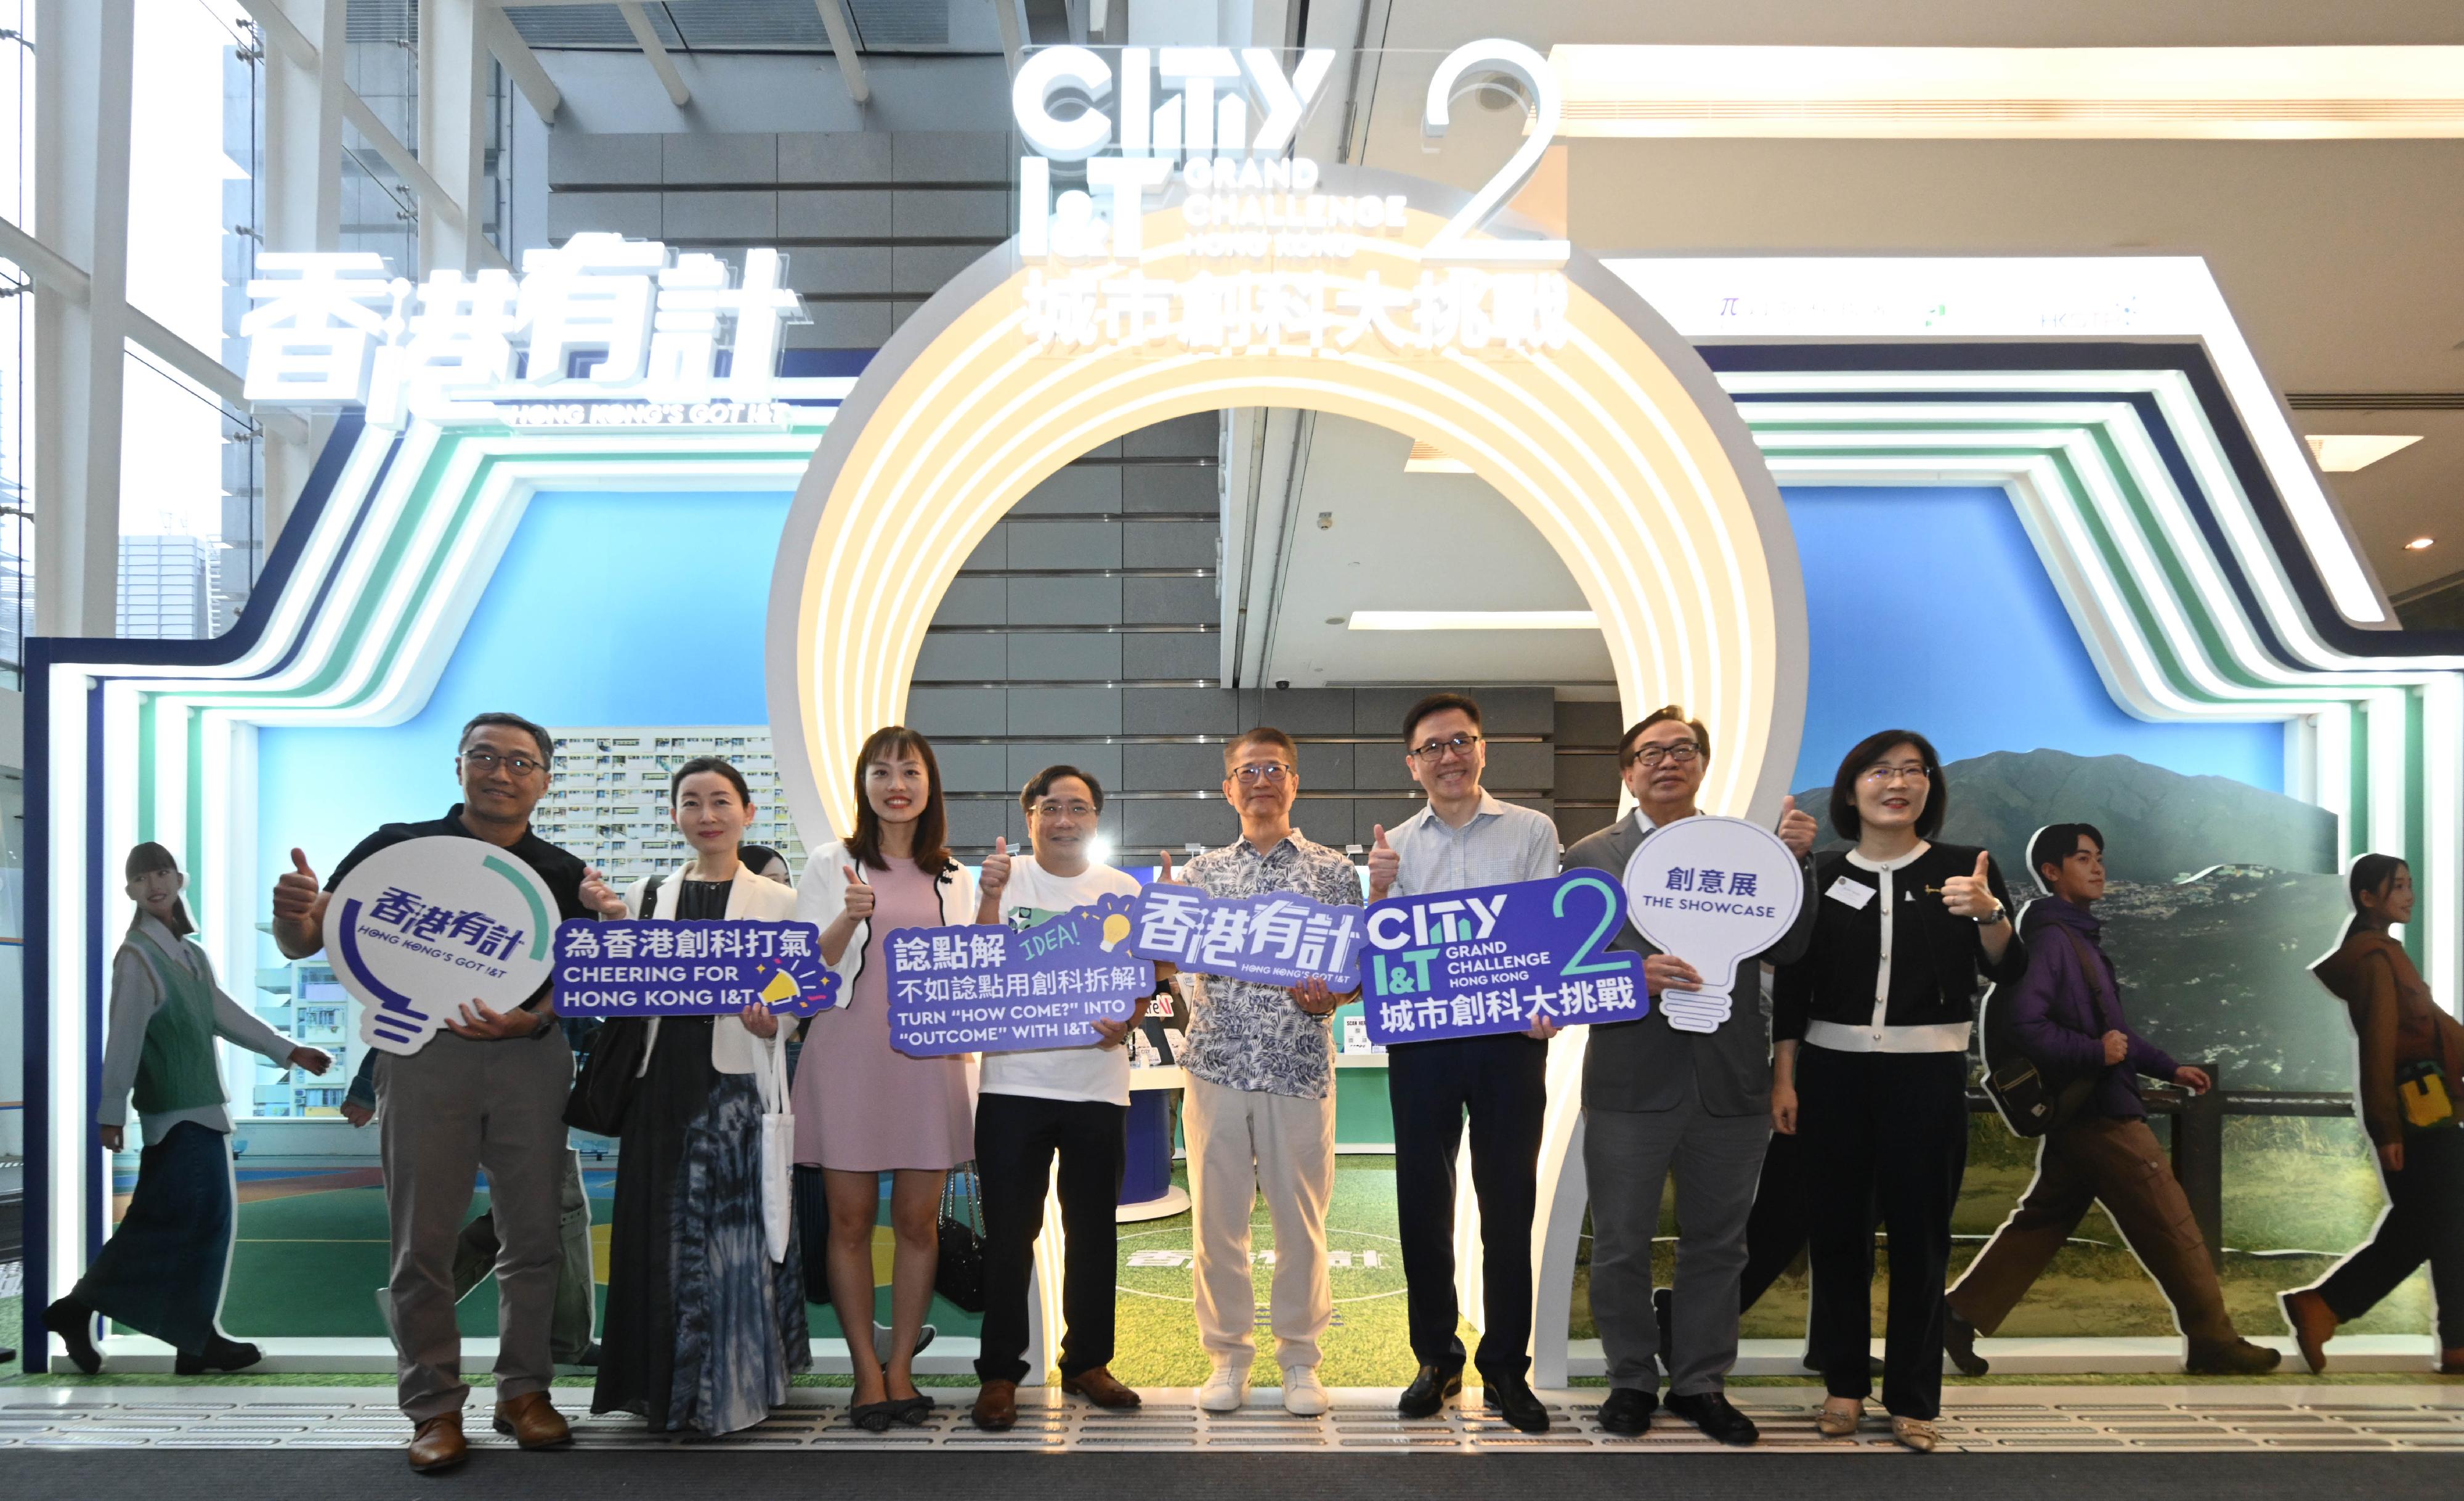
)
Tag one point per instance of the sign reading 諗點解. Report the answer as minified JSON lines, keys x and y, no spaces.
{"x":657,"y":968}
{"x":987,"y":988}
{"x":1714,"y":892}
{"x":420,"y":928}
{"x":1497,"y":959}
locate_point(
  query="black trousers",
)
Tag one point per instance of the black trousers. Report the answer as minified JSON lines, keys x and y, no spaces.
{"x":2424,"y":1223}
{"x":1779,"y":1227}
{"x":1016,"y":1138}
{"x":1888,"y":1133}
{"x":1501,"y":1082}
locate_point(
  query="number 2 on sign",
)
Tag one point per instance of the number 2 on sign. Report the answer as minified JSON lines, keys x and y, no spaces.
{"x":1454,"y":242}
{"x":1582,"y":964}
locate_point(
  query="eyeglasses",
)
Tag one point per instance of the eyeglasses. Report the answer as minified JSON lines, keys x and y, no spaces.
{"x":1459,"y":744}
{"x":1677,"y":754}
{"x":1880,"y":775}
{"x":489,"y":760}
{"x":1263,"y":771}
{"x":1063,"y":810}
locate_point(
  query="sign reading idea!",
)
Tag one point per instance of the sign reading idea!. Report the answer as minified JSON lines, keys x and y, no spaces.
{"x":654,"y":967}
{"x":1273,"y":938}
{"x":1497,"y":959}
{"x":985,"y":988}
{"x":420,"y":928}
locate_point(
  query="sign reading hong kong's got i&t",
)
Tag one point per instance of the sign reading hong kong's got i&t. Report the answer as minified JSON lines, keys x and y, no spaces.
{"x":420,"y":928}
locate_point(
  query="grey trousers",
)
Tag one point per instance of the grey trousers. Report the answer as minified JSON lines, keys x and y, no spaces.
{"x":444,"y":1113}
{"x":1627,"y":1157}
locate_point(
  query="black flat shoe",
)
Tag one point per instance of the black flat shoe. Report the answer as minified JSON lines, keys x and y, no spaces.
{"x":1628,"y":1410}
{"x":1958,"y":1342}
{"x":874,"y":1417}
{"x":912,"y":1411}
{"x":222,"y":1354}
{"x":1428,"y":1392}
{"x":74,"y":1322}
{"x":1712,"y":1413}
{"x":1514,"y":1401}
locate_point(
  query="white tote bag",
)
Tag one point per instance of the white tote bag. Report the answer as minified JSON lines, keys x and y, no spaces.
{"x":778,"y":1151}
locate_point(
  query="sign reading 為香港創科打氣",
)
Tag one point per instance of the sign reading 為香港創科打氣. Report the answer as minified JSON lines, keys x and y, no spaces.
{"x":1498,"y":959}
{"x":655,"y":967}
{"x":1713,"y":892}
{"x":988,"y":988}
{"x":419,"y":928}
{"x":1271,"y":938}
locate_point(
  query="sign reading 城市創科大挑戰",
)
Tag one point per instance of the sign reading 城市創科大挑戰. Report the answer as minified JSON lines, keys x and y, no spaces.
{"x":420,"y":928}
{"x":1713,"y":892}
{"x":657,"y":968}
{"x":987,"y":988}
{"x":1498,"y":959}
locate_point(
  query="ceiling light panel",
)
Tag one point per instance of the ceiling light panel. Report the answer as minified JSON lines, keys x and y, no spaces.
{"x":2342,"y":452}
{"x":1473,"y":620}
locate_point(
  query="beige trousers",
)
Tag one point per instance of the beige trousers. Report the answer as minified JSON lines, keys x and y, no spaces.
{"x":1241,"y":1141}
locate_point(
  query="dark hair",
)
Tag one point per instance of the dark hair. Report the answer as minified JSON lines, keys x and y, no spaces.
{"x":144,"y":860}
{"x":1041,"y":782}
{"x":1869,"y":750}
{"x":2373,"y":873}
{"x":1661,"y":716}
{"x":701,"y":763}
{"x":510,"y":722}
{"x":1438,"y":703}
{"x":1263,"y":735}
{"x":2056,"y":843}
{"x":931,"y":848}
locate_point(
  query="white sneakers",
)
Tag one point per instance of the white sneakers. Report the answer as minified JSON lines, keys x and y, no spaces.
{"x":1226,"y":1389}
{"x":1302,"y":1395}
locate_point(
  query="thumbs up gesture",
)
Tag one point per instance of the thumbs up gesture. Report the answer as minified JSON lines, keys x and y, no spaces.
{"x":1384,"y":863}
{"x":995,"y":878}
{"x":1972,"y":895}
{"x":294,"y":891}
{"x":1165,"y":875}
{"x":859,"y":897}
{"x":1796,"y":829}
{"x":599,"y":897}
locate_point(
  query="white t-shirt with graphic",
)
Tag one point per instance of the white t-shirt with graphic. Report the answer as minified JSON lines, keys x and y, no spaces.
{"x":1035,"y":895}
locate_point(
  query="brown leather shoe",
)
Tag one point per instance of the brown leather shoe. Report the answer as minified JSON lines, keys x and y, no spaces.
{"x":996,"y":1406}
{"x":1100,"y":1387}
{"x":2312,"y":1323}
{"x":437,"y":1444}
{"x":533,"y":1422}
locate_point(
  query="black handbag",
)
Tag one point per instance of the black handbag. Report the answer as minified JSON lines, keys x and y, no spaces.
{"x":603,"y":1088}
{"x":960,"y":1276}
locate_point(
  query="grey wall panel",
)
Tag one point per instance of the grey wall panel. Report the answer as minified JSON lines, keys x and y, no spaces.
{"x":924,"y":268}
{"x":1169,"y":487}
{"x":1194,"y":436}
{"x":718,"y":159}
{"x":1574,"y":823}
{"x":839,"y":271}
{"x":636,"y":214}
{"x":957,"y":711}
{"x":601,"y":160}
{"x":1587,"y":778}
{"x":1522,"y":766}
{"x":1089,"y":655}
{"x":845,"y":156}
{"x":973,"y":658}
{"x":1178,"y":654}
{"x":973,"y":824}
{"x":945,"y":212}
{"x":1168,"y":544}
{"x":1065,"y":544}
{"x":1066,"y":602}
{"x":1517,"y":711}
{"x":992,"y":552}
{"x":1171,"y":823}
{"x":1103,"y":763}
{"x":846,"y":214}
{"x":1167,"y":601}
{"x":1380,"y":710}
{"x":932,"y":156}
{"x":1078,"y":487}
{"x":1179,"y":711}
{"x":1590,"y":723}
{"x":1325,"y":768}
{"x":751,"y":217}
{"x":974,"y":602}
{"x":970,"y":768}
{"x":1168,"y":768}
{"x":1065,"y":711}
{"x":1307,"y":711}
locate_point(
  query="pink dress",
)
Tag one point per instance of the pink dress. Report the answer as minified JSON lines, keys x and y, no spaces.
{"x":860,"y":1105}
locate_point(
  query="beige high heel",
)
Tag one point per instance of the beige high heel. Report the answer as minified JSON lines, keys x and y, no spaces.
{"x":1834,"y":1423}
{"x":1916,"y":1433}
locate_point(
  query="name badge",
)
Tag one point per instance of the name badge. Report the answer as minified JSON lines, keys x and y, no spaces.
{"x":1854,"y":894}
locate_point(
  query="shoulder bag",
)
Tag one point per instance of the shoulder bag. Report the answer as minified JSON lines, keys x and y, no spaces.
{"x":2030,"y":1103}
{"x":603,"y":1088}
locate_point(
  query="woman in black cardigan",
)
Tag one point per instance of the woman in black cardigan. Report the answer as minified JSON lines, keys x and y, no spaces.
{"x":1871,"y":1032}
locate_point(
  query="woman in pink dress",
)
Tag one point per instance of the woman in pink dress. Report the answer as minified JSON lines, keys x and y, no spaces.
{"x":862,"y":1107}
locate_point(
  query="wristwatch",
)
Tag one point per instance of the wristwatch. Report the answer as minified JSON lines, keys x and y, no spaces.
{"x":2000,"y":912}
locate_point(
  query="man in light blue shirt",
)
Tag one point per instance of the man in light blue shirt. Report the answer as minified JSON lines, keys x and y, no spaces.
{"x":1466,"y":838}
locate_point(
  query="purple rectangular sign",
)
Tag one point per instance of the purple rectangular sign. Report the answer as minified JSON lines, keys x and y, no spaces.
{"x":989,"y":989}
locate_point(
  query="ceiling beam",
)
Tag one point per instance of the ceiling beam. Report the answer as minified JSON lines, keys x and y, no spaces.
{"x":521,"y":64}
{"x":844,"y":44}
{"x":661,"y":63}
{"x":1012,"y":32}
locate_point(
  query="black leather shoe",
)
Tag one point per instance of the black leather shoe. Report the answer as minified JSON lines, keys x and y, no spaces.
{"x":219,"y":1355}
{"x":1959,"y":1341}
{"x":1712,"y":1412}
{"x":1628,"y":1410}
{"x":1514,"y":1401}
{"x":1663,"y":1314}
{"x":74,"y":1322}
{"x":1428,"y":1392}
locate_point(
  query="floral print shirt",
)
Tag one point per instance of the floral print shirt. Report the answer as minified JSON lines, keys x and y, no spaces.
{"x":1248,"y":1036}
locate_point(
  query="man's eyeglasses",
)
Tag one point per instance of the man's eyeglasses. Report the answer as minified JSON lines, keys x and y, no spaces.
{"x":1677,"y":754}
{"x":1459,"y":744}
{"x":1262,"y":771}
{"x":489,"y":760}
{"x":1879,"y":776}
{"x":1080,"y":810}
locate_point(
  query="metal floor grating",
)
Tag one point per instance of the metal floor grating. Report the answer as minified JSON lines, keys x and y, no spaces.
{"x":1363,"y":1421}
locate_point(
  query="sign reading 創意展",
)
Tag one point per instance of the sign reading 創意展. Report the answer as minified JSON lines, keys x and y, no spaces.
{"x":420,"y":928}
{"x":657,"y":968}
{"x":1714,"y":892}
{"x":1271,"y":938}
{"x":1497,"y":959}
{"x":987,"y":988}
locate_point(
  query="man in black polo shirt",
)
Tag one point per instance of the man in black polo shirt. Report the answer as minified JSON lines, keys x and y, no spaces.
{"x":487,"y":1091}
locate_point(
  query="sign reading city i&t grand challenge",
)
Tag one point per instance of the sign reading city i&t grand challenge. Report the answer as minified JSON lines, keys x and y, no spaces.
{"x":657,"y":968}
{"x":420,"y":928}
{"x":986,"y":988}
{"x":1497,"y":959}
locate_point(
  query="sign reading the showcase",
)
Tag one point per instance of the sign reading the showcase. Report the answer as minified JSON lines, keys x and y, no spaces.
{"x":1498,"y":959}
{"x":985,"y":988}
{"x":1714,"y":892}
{"x":656,"y":968}
{"x":1282,"y":264}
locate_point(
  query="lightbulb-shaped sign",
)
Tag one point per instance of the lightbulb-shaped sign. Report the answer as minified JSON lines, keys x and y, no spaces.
{"x":1713,"y":892}
{"x":1116,"y":928}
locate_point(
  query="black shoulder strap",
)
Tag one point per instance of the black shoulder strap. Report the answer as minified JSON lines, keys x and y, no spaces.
{"x":650,"y":896}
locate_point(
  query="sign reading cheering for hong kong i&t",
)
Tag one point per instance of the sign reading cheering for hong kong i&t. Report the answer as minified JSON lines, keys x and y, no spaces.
{"x":1713,"y":892}
{"x":985,"y":988}
{"x":418,"y":929}
{"x":1273,"y":938}
{"x":654,"y":967}
{"x":1498,"y":959}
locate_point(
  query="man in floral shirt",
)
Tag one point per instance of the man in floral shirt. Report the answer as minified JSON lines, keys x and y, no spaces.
{"x":1261,"y":1105}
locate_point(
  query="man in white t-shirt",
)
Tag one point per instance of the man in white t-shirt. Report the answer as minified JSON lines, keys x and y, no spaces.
{"x":1072,"y":1101}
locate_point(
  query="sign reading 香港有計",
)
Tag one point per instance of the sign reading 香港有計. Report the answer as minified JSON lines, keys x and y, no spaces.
{"x":419,"y":928}
{"x":1498,"y":959}
{"x":1271,"y":938}
{"x":658,"y":968}
{"x":989,"y":989}
{"x":1713,"y":892}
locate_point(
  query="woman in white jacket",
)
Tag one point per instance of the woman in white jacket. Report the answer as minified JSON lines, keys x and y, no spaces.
{"x":703,"y":1329}
{"x":862,"y":1107}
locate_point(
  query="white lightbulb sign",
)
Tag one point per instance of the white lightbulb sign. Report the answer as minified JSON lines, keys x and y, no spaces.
{"x":1712,"y":892}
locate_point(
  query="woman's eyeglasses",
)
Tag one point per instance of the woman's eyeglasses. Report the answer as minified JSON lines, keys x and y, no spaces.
{"x":1882,"y":776}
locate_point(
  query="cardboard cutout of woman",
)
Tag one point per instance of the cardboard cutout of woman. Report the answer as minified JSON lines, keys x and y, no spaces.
{"x":162,"y":1271}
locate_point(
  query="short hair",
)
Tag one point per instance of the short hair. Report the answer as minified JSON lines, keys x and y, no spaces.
{"x":701,"y":763}
{"x":1041,"y":782}
{"x":1439,"y":703}
{"x":2056,"y":843}
{"x":1661,"y":716}
{"x":509,"y":721}
{"x":1263,"y":735}
{"x":1871,"y":749}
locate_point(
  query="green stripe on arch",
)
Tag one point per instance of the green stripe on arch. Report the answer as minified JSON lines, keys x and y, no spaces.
{"x":539,"y":923}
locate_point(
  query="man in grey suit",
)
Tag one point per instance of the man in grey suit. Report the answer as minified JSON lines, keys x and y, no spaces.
{"x":1657,"y":1098}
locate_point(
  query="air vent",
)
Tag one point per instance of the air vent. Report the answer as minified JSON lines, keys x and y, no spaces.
{"x":2375,"y":401}
{"x":902,"y":23}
